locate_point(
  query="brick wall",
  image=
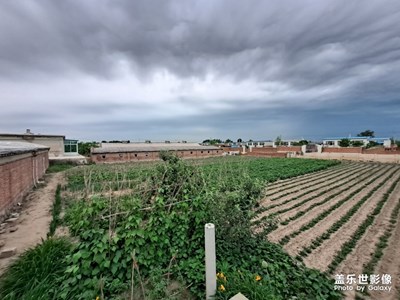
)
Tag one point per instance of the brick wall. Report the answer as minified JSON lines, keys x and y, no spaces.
{"x":342,"y":150}
{"x":382,"y":150}
{"x":266,"y":154}
{"x":18,"y":174}
{"x":152,"y":155}
{"x":264,"y":150}
{"x":230,"y":149}
{"x":289,"y":149}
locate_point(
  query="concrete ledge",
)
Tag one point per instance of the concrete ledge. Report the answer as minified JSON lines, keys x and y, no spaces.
{"x":239,"y":296}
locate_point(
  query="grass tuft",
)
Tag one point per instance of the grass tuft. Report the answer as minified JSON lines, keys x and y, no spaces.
{"x":35,"y":274}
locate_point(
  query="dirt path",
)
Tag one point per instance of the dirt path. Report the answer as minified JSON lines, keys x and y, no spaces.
{"x":34,"y":219}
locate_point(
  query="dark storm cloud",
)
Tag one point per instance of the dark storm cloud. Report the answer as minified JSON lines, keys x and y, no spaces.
{"x":303,"y":59}
{"x":301,"y":42}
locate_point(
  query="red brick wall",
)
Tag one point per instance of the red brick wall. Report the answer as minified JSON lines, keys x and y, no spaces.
{"x":229,"y":149}
{"x":381,"y":151}
{"x":263,"y":150}
{"x":143,"y":156}
{"x":18,"y":174}
{"x":342,"y":150}
{"x":266,"y":154}
{"x":289,"y":148}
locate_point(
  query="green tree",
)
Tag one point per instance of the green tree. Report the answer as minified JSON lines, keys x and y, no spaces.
{"x":84,"y":147}
{"x":239,"y":140}
{"x":344,"y":143}
{"x":367,"y":133}
{"x":301,"y":143}
{"x":228,"y":141}
{"x":278,"y":140}
{"x":357,"y":144}
{"x":372,"y":144}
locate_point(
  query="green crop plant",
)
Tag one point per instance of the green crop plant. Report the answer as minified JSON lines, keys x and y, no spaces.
{"x":348,"y":246}
{"x":327,"y":199}
{"x":345,"y":218}
{"x":331,"y":188}
{"x":336,"y":175}
{"x":162,"y":220}
{"x":298,"y":204}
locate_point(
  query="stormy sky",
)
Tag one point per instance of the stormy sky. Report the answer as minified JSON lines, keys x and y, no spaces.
{"x":192,"y":70}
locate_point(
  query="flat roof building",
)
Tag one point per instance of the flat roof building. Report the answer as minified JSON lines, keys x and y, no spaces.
{"x":60,"y":148}
{"x":118,"y":152}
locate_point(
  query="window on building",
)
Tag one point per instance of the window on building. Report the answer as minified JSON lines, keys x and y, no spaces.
{"x":103,"y":156}
{"x":70,"y":146}
{"x":135,"y":154}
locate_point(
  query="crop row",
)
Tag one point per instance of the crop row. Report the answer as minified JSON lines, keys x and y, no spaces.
{"x":383,"y":241}
{"x":348,"y":246}
{"x":316,"y":242}
{"x":316,"y":204}
{"x":338,"y":176}
{"x":316,"y":174}
{"x":328,"y":175}
{"x":350,"y":177}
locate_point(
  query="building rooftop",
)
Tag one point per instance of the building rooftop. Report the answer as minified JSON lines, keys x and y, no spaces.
{"x":355,"y":138}
{"x":30,"y":135}
{"x":13,"y":148}
{"x":149,"y":147}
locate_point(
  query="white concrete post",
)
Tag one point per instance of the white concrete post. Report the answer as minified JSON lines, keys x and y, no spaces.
{"x":303,"y":149}
{"x":211,"y":270}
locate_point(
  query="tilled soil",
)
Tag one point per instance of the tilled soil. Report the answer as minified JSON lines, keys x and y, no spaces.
{"x":361,"y":255}
{"x":323,"y":255}
{"x":306,"y":237}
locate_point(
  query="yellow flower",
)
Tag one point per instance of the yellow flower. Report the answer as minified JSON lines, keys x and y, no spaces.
{"x":221,"y":276}
{"x":221,"y":288}
{"x":97,"y":298}
{"x":258,"y":278}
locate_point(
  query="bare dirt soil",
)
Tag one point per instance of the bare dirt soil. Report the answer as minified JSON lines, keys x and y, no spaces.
{"x":34,"y":219}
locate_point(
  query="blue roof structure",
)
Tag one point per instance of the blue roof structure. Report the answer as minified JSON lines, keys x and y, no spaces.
{"x":356,"y":138}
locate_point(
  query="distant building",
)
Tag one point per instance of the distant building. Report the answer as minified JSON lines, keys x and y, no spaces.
{"x":334,"y":141}
{"x":113,"y":152}
{"x":60,"y":147}
{"x":21,"y":166}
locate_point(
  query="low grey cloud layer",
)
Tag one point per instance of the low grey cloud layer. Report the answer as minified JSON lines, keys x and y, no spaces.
{"x":198,"y":69}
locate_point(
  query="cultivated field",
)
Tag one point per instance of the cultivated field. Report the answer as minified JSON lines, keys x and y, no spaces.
{"x":138,"y":231}
{"x":343,"y":220}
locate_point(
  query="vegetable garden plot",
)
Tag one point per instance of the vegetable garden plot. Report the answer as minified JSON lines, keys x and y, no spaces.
{"x":349,"y":227}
